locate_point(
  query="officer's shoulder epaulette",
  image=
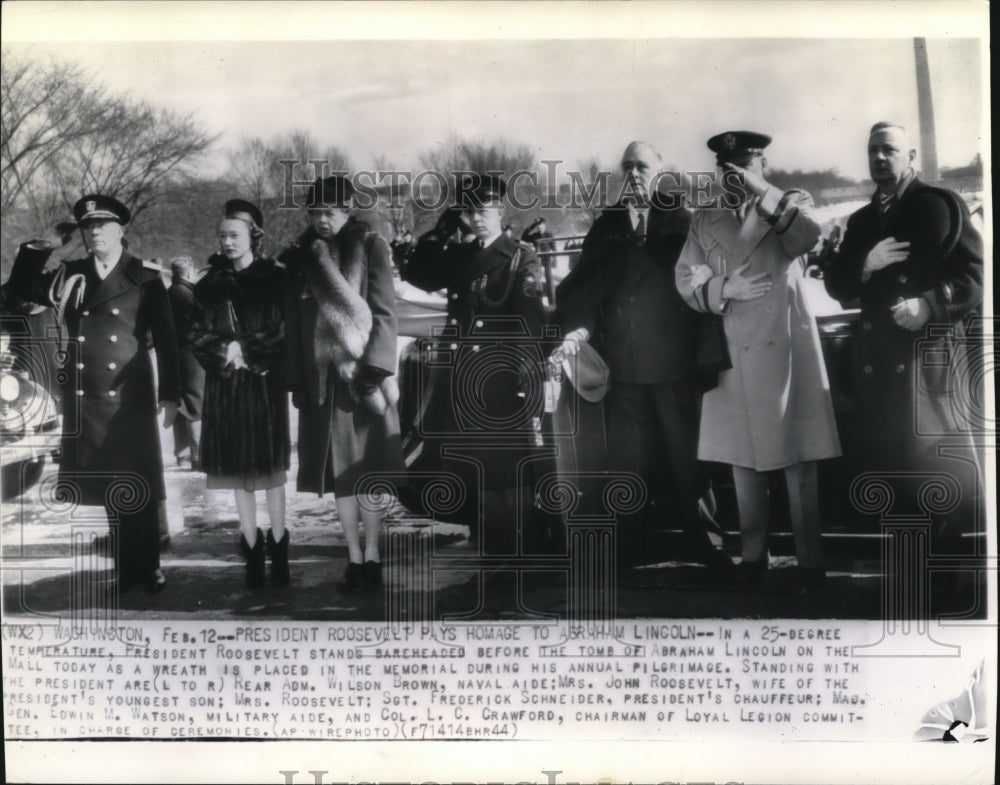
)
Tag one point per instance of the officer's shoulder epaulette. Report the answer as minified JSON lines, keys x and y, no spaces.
{"x":151,"y":265}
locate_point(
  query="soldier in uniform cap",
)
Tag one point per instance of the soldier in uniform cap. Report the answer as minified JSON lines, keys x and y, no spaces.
{"x":538,"y":235}
{"x":478,"y":406}
{"x":745,"y":261}
{"x":111,"y":303}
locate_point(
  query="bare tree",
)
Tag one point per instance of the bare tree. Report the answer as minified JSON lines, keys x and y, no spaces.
{"x":458,"y":155}
{"x":44,"y":108}
{"x":134,"y":158}
{"x":251,"y":167}
{"x":396,"y":196}
{"x":500,"y":156}
{"x":63,"y":134}
{"x":275,"y":173}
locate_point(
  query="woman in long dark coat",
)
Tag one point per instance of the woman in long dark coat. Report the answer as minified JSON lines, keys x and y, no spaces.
{"x":237,"y":332}
{"x":341,"y":367}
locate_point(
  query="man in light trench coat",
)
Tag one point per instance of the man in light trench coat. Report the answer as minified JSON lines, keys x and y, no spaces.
{"x":772,"y":409}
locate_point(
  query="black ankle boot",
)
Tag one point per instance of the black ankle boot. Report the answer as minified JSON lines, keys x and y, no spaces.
{"x":279,"y":559}
{"x":255,"y":560}
{"x":351,"y":579}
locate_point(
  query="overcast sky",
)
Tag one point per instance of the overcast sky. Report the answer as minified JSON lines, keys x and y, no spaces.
{"x":568,"y":99}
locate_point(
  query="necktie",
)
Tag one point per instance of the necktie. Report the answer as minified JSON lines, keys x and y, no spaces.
{"x":640,"y":226}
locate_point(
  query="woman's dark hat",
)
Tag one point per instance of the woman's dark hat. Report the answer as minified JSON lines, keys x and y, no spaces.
{"x":333,"y":191}
{"x":241,"y":208}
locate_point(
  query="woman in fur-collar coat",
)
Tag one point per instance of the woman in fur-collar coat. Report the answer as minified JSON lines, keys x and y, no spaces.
{"x":237,"y":333}
{"x":340,"y":366}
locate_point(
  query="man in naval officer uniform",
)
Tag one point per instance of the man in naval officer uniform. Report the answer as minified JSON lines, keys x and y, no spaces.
{"x":480,"y":403}
{"x":111,"y":303}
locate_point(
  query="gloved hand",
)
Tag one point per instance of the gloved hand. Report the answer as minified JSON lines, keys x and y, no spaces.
{"x":369,"y":379}
{"x":452,"y":220}
{"x":169,"y":409}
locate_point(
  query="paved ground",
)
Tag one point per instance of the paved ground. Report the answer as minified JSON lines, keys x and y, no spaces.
{"x":48,"y":569}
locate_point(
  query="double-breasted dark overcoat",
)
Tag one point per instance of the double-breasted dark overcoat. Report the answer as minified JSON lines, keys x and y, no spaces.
{"x":911,"y":391}
{"x":482,"y":397}
{"x":109,"y":397}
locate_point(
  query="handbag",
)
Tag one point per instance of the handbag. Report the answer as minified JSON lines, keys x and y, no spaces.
{"x":712,"y":356}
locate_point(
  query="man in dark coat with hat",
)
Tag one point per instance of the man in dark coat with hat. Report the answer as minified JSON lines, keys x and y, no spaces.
{"x":915,"y":262}
{"x":111,"y":303}
{"x":480,"y":404}
{"x":187,"y":426}
{"x":621,"y":298}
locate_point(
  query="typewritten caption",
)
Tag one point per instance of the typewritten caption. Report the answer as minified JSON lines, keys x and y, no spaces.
{"x":636,"y":679}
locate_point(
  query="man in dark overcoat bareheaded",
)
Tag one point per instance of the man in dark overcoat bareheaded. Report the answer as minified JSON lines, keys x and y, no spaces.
{"x":620,"y":297}
{"x":914,"y":262}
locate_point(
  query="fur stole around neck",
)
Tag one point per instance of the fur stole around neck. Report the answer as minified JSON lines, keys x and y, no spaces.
{"x":336,"y":273}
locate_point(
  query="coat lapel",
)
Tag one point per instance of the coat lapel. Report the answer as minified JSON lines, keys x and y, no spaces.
{"x":888,"y":220}
{"x":485,"y":260}
{"x":121,"y":279}
{"x":738,"y":239}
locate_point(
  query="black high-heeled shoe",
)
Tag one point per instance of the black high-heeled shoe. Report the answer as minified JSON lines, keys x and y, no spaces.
{"x":351,"y":579}
{"x":156,"y":582}
{"x":371,"y":576}
{"x":810,"y":580}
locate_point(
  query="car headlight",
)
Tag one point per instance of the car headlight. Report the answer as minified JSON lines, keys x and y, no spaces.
{"x":10,"y":388}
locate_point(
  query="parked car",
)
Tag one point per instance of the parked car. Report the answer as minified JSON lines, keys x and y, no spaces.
{"x":421,"y":312}
{"x":29,"y":424}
